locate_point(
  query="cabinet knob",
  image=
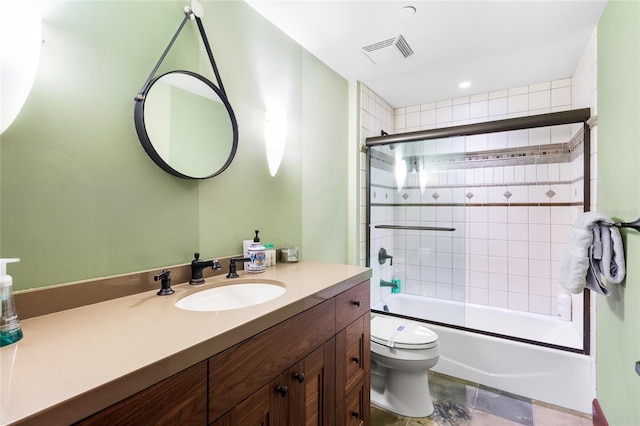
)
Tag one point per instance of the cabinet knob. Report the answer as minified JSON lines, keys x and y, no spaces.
{"x":282,"y":390}
{"x":299,"y":377}
{"x":356,"y":303}
{"x":355,"y":415}
{"x":356,"y":360}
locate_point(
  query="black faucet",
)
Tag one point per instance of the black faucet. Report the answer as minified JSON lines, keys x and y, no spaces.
{"x":198,"y":265}
{"x":232,"y":266}
{"x":165,"y":278}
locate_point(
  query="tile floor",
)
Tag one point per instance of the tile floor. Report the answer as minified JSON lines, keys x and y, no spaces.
{"x":461,"y":403}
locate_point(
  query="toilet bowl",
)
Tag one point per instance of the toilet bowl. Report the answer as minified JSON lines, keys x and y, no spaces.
{"x":402,"y":352}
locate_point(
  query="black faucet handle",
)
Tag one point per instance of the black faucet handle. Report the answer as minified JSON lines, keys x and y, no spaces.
{"x":165,"y":277}
{"x":232,"y":266}
{"x":196,"y":256}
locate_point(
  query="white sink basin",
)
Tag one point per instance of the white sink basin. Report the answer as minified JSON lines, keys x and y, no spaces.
{"x":232,"y":296}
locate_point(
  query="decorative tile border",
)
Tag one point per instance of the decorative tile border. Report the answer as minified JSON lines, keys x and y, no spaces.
{"x":537,"y":154}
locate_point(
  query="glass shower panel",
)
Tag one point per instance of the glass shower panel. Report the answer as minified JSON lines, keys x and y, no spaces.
{"x":418,"y":216}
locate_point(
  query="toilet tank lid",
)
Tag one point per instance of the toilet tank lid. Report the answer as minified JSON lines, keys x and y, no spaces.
{"x":393,"y":331}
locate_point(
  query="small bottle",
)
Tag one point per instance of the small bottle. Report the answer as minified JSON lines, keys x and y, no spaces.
{"x":267,"y":259}
{"x":256,"y":254}
{"x":270,"y":254}
{"x":10,"y":331}
{"x":273,"y":254}
{"x":395,"y":280}
{"x":564,"y":306}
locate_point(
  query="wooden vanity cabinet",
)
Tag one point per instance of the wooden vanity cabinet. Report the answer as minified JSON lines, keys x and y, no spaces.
{"x":311,"y":369}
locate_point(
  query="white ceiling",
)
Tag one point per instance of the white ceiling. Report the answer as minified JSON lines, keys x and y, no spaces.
{"x":493,"y":44}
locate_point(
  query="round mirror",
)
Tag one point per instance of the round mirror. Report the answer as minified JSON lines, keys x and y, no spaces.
{"x":186,"y":125}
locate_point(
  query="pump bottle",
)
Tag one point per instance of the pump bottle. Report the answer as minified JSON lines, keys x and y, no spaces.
{"x":257,"y":255}
{"x":10,"y":331}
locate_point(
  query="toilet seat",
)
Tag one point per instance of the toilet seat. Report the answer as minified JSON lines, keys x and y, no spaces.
{"x":401,"y":333}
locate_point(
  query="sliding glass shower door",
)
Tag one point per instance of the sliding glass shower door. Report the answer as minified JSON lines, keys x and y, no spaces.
{"x":477,"y":223}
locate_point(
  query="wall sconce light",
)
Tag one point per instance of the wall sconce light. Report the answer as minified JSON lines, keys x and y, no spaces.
{"x":275,"y":134}
{"x":20,"y":43}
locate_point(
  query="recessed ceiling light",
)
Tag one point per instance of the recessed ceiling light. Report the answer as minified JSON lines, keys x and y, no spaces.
{"x":464,"y":85}
{"x":407,"y":11}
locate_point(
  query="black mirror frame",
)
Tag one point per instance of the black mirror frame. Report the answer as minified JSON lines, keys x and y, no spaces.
{"x":147,"y":144}
{"x":219,"y":90}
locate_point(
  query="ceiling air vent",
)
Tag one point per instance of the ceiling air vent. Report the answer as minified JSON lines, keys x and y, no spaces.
{"x":387,"y":51}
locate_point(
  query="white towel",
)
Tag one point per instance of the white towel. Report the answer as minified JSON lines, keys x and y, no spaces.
{"x":594,"y":250}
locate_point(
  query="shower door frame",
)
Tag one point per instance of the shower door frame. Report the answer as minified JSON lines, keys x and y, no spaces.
{"x":520,"y":123}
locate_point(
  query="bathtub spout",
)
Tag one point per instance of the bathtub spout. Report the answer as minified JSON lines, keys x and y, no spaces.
{"x":384,"y":283}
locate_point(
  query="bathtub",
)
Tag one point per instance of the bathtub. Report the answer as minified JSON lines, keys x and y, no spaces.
{"x":545,"y":374}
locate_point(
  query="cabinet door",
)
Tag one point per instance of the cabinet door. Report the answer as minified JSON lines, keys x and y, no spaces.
{"x":180,"y":399}
{"x":312,"y":388}
{"x":355,"y":409}
{"x":265,"y":407}
{"x":353,"y":355}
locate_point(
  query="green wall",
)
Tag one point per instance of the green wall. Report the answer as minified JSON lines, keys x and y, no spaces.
{"x":80,"y":198}
{"x":618,"y":316}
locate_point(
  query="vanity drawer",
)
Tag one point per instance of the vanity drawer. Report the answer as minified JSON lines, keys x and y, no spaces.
{"x":352,"y":304}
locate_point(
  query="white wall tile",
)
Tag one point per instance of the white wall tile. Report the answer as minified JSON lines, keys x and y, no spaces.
{"x":427,"y":117}
{"x":498,"y":247}
{"x":540,"y":136}
{"x":540,"y":305}
{"x":540,"y":268}
{"x":540,"y":86}
{"x":539,"y":250}
{"x":518,"y":103}
{"x":479,"y":296}
{"x":444,"y":115}
{"x":498,"y":106}
{"x":540,"y":286}
{"x":498,"y":281}
{"x":518,"y":138}
{"x":518,"y":267}
{"x":499,"y":94}
{"x":518,"y":249}
{"x":540,"y":100}
{"x":498,"y":299}
{"x":518,"y":302}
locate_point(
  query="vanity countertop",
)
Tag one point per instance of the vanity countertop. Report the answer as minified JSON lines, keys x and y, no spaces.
{"x":72,"y":363}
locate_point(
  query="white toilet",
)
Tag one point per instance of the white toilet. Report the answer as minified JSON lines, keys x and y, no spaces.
{"x":402,"y":351}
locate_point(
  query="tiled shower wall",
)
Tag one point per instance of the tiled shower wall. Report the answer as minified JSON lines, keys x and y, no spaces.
{"x":511,"y":209}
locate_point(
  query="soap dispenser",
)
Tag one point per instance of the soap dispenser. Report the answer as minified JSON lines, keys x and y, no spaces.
{"x":10,"y":331}
{"x":257,"y":255}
